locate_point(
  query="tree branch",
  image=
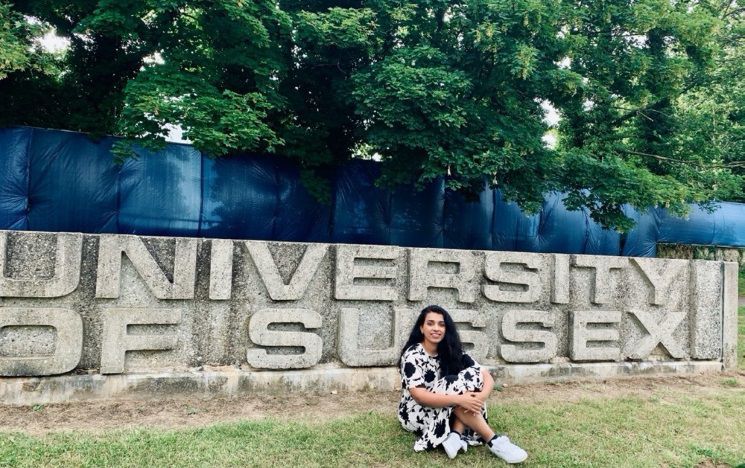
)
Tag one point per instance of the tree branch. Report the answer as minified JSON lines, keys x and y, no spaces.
{"x":729,"y":165}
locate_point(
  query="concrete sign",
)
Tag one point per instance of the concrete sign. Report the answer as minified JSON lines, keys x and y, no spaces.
{"x":97,"y":308}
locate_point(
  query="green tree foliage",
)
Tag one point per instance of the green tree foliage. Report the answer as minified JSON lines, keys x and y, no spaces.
{"x":650,"y":92}
{"x":627,"y":135}
{"x":19,"y":51}
{"x":14,"y":45}
{"x":712,"y":118}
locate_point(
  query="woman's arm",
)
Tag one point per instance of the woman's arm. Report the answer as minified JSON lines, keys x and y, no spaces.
{"x":469,"y":401}
{"x":488,"y":385}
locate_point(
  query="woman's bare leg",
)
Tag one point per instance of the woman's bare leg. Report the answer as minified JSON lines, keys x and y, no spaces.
{"x":474,"y":421}
{"x":457,"y":425}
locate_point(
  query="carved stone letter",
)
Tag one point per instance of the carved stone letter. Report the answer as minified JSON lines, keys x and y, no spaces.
{"x":381,"y":273}
{"x":560,"y":291}
{"x":116,"y":340}
{"x":477,"y":338}
{"x":259,"y":333}
{"x":582,"y":335}
{"x":421,"y":276}
{"x":66,"y":271}
{"x":657,"y":333}
{"x":349,"y":329}
{"x":514,"y":353}
{"x":69,"y":327}
{"x":221,"y":269}
{"x":110,"y":249}
{"x":527,"y":277}
{"x":602,"y":267}
{"x":660,"y":274}
{"x":269,"y":273}
{"x":706,"y":309}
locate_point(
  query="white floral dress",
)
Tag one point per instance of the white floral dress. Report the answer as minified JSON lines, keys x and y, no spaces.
{"x":432,"y":425}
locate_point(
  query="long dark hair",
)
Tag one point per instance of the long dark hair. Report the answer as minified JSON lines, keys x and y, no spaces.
{"x":449,"y":350}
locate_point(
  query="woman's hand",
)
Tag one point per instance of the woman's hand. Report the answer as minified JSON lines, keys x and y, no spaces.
{"x":470,"y":401}
{"x":482,"y":396}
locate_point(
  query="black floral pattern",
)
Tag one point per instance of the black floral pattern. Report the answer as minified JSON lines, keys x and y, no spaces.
{"x":432,"y":425}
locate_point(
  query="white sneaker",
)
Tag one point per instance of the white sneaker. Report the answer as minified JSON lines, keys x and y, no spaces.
{"x":506,"y":450}
{"x":453,"y":444}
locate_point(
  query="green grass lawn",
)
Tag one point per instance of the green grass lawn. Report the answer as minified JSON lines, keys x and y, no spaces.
{"x":659,"y":430}
{"x":664,"y":428}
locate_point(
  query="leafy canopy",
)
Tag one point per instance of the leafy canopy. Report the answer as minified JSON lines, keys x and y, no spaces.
{"x":649,"y":92}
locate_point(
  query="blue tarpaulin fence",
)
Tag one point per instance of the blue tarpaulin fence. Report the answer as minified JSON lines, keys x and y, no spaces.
{"x":53,"y":180}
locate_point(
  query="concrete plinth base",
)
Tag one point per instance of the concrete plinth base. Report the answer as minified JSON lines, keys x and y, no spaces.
{"x":228,"y":381}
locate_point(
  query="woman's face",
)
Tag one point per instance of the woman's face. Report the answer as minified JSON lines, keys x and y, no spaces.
{"x":433,"y":328}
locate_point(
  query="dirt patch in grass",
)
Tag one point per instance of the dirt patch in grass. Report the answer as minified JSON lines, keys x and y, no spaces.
{"x":196,"y":412}
{"x":712,"y":464}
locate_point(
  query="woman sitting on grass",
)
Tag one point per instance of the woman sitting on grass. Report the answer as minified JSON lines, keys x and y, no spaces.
{"x":444,"y":391}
